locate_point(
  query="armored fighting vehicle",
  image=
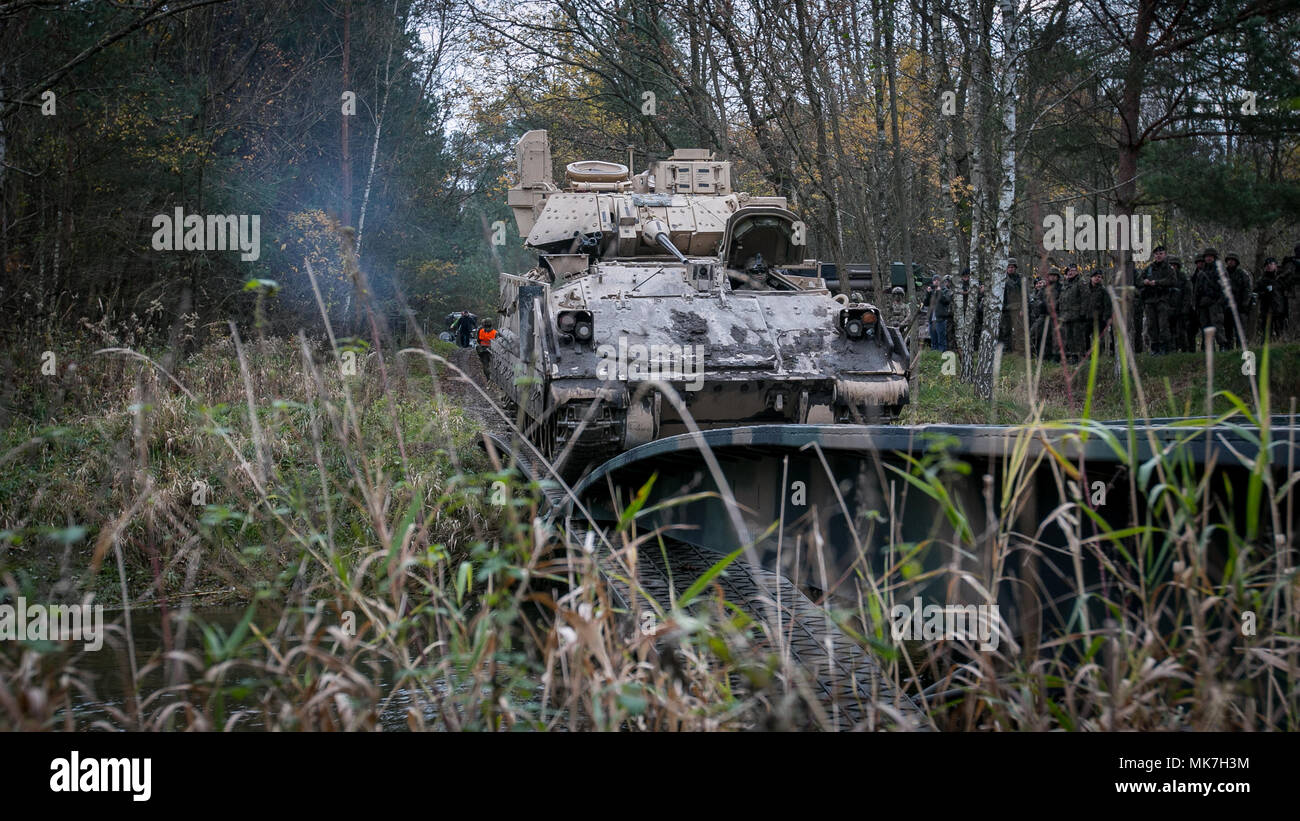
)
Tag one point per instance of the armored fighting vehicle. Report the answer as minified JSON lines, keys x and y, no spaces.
{"x":669,"y":277}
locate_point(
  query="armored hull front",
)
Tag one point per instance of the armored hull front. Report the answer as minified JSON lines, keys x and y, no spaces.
{"x":665,"y":301}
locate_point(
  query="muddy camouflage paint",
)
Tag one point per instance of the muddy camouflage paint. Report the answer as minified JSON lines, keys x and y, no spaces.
{"x":671,"y":276}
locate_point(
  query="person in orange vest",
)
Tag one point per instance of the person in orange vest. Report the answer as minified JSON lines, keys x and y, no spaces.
{"x":485,"y":336}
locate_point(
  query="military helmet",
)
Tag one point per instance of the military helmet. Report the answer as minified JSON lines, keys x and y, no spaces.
{"x":1231,"y":255}
{"x":1210,"y":252}
{"x":898,"y":290}
{"x":1176,"y":261}
{"x":1011,"y":262}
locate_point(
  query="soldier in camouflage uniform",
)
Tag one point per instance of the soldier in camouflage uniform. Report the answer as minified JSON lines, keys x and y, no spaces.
{"x":1157,"y":283}
{"x":1209,"y":296}
{"x":1012,"y":328}
{"x":900,"y":313}
{"x":1243,"y":294}
{"x":1043,"y":331}
{"x":1193,"y":308}
{"x":1288,"y":278}
{"x":1099,"y":312}
{"x":1035,"y":327}
{"x":1272,"y":302}
{"x":1182,"y":309}
{"x":1073,"y":307}
{"x":931,"y":296}
{"x":1176,"y":304}
{"x":943,"y":308}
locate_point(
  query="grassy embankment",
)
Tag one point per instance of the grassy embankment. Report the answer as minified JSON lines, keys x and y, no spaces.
{"x":356,"y":510}
{"x":484,"y":621}
{"x":1174,"y":385}
{"x":111,"y":449}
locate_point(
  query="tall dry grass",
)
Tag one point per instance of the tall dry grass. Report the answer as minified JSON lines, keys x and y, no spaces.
{"x":394,"y":576}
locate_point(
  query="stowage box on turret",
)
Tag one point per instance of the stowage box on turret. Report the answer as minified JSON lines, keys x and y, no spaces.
{"x":670,"y":277}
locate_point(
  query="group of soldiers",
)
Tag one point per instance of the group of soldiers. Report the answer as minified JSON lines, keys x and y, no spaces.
{"x":1177,"y":306}
{"x":1067,"y":309}
{"x":1173,"y":307}
{"x":464,"y":327}
{"x":939,"y":305}
{"x":1063,"y":313}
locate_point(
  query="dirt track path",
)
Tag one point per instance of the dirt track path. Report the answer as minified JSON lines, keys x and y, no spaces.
{"x":468,"y":397}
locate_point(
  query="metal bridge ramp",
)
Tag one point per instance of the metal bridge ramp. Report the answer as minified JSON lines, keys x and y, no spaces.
{"x":839,"y":683}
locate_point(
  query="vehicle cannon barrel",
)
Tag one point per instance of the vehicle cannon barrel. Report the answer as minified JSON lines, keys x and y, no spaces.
{"x":656,"y":232}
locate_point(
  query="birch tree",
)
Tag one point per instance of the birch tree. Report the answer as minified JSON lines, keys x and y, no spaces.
{"x":1008,"y":84}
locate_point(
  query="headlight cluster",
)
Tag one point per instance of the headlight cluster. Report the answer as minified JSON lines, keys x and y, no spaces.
{"x":858,"y":323}
{"x":575,"y":324}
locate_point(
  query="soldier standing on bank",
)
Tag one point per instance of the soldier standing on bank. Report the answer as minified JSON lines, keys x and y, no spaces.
{"x":1048,"y":316}
{"x":943,"y":314}
{"x":486,"y":335}
{"x":464,"y":328}
{"x":1194,"y":311}
{"x":1174,"y":307}
{"x":1099,"y":313}
{"x":1182,"y":309}
{"x":1035,"y":313}
{"x":1243,"y":294}
{"x":931,"y":295}
{"x":1272,"y":302}
{"x":1288,"y":277}
{"x":1157,"y":281}
{"x":900,"y":313}
{"x":1209,"y":296}
{"x":1013,"y":321}
{"x":1074,"y":314}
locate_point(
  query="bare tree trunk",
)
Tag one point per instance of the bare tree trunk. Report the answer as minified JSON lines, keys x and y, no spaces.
{"x":379,"y":127}
{"x":901,"y":199}
{"x":947,"y":172}
{"x":1130,"y":146}
{"x":1009,"y":74}
{"x":978,"y":103}
{"x":4,"y":216}
{"x":347,"y":155}
{"x":883,"y":256}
